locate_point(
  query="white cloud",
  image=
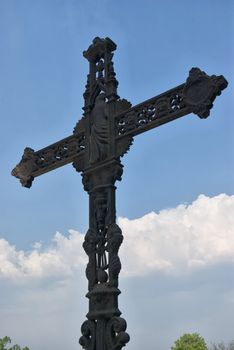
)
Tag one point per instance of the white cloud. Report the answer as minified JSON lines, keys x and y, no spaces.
{"x":173,"y":240}
{"x":59,"y":260}
{"x":45,"y":306}
{"x":37,"y":245}
{"x":183,"y":237}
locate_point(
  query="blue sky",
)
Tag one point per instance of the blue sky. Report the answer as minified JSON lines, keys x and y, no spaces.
{"x":43,"y":74}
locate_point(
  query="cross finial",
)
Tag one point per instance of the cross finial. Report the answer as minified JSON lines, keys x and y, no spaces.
{"x":101,"y":77}
{"x":98,"y":48}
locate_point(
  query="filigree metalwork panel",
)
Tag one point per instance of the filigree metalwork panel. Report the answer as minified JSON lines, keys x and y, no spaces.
{"x":63,"y":151}
{"x":152,"y":113}
{"x":49,"y":158}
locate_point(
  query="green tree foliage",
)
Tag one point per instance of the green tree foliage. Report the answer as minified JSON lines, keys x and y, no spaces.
{"x":4,"y":345}
{"x":222,"y":346}
{"x":190,"y":342}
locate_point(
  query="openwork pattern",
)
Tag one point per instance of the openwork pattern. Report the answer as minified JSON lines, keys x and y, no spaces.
{"x":37,"y":163}
{"x":137,"y":118}
{"x":61,"y":151}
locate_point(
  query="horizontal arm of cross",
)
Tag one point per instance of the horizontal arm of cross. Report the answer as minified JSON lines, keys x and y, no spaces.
{"x":151,"y":113}
{"x":49,"y":158}
{"x":196,"y":95}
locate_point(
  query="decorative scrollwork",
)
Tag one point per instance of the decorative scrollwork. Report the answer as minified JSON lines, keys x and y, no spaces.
{"x":90,"y":248}
{"x":60,"y":151}
{"x":116,"y":337}
{"x":176,"y":102}
{"x":114,"y":240}
{"x":196,"y":95}
{"x":37,"y":163}
{"x":88,"y":330}
{"x":143,"y":116}
{"x":90,"y":242}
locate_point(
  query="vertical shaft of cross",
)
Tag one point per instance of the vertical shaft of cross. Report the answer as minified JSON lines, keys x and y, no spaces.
{"x":104,"y":329}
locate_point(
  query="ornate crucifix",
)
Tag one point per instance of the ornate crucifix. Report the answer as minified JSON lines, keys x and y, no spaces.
{"x":103,"y":135}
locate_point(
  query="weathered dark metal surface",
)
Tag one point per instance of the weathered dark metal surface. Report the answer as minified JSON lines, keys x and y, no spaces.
{"x":49,"y":158}
{"x":100,"y":138}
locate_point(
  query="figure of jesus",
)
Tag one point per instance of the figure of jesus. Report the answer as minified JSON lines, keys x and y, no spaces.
{"x":99,"y":130}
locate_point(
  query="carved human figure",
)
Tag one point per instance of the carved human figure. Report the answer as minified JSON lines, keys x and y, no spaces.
{"x":99,"y":130}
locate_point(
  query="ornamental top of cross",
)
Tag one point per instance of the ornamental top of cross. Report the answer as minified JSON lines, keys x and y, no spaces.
{"x":109,"y":123}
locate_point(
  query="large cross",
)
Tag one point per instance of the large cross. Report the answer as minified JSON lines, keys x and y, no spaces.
{"x":103,"y":135}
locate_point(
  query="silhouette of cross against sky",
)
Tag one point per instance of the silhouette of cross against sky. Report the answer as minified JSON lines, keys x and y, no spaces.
{"x":43,"y":76}
{"x":42,"y":80}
